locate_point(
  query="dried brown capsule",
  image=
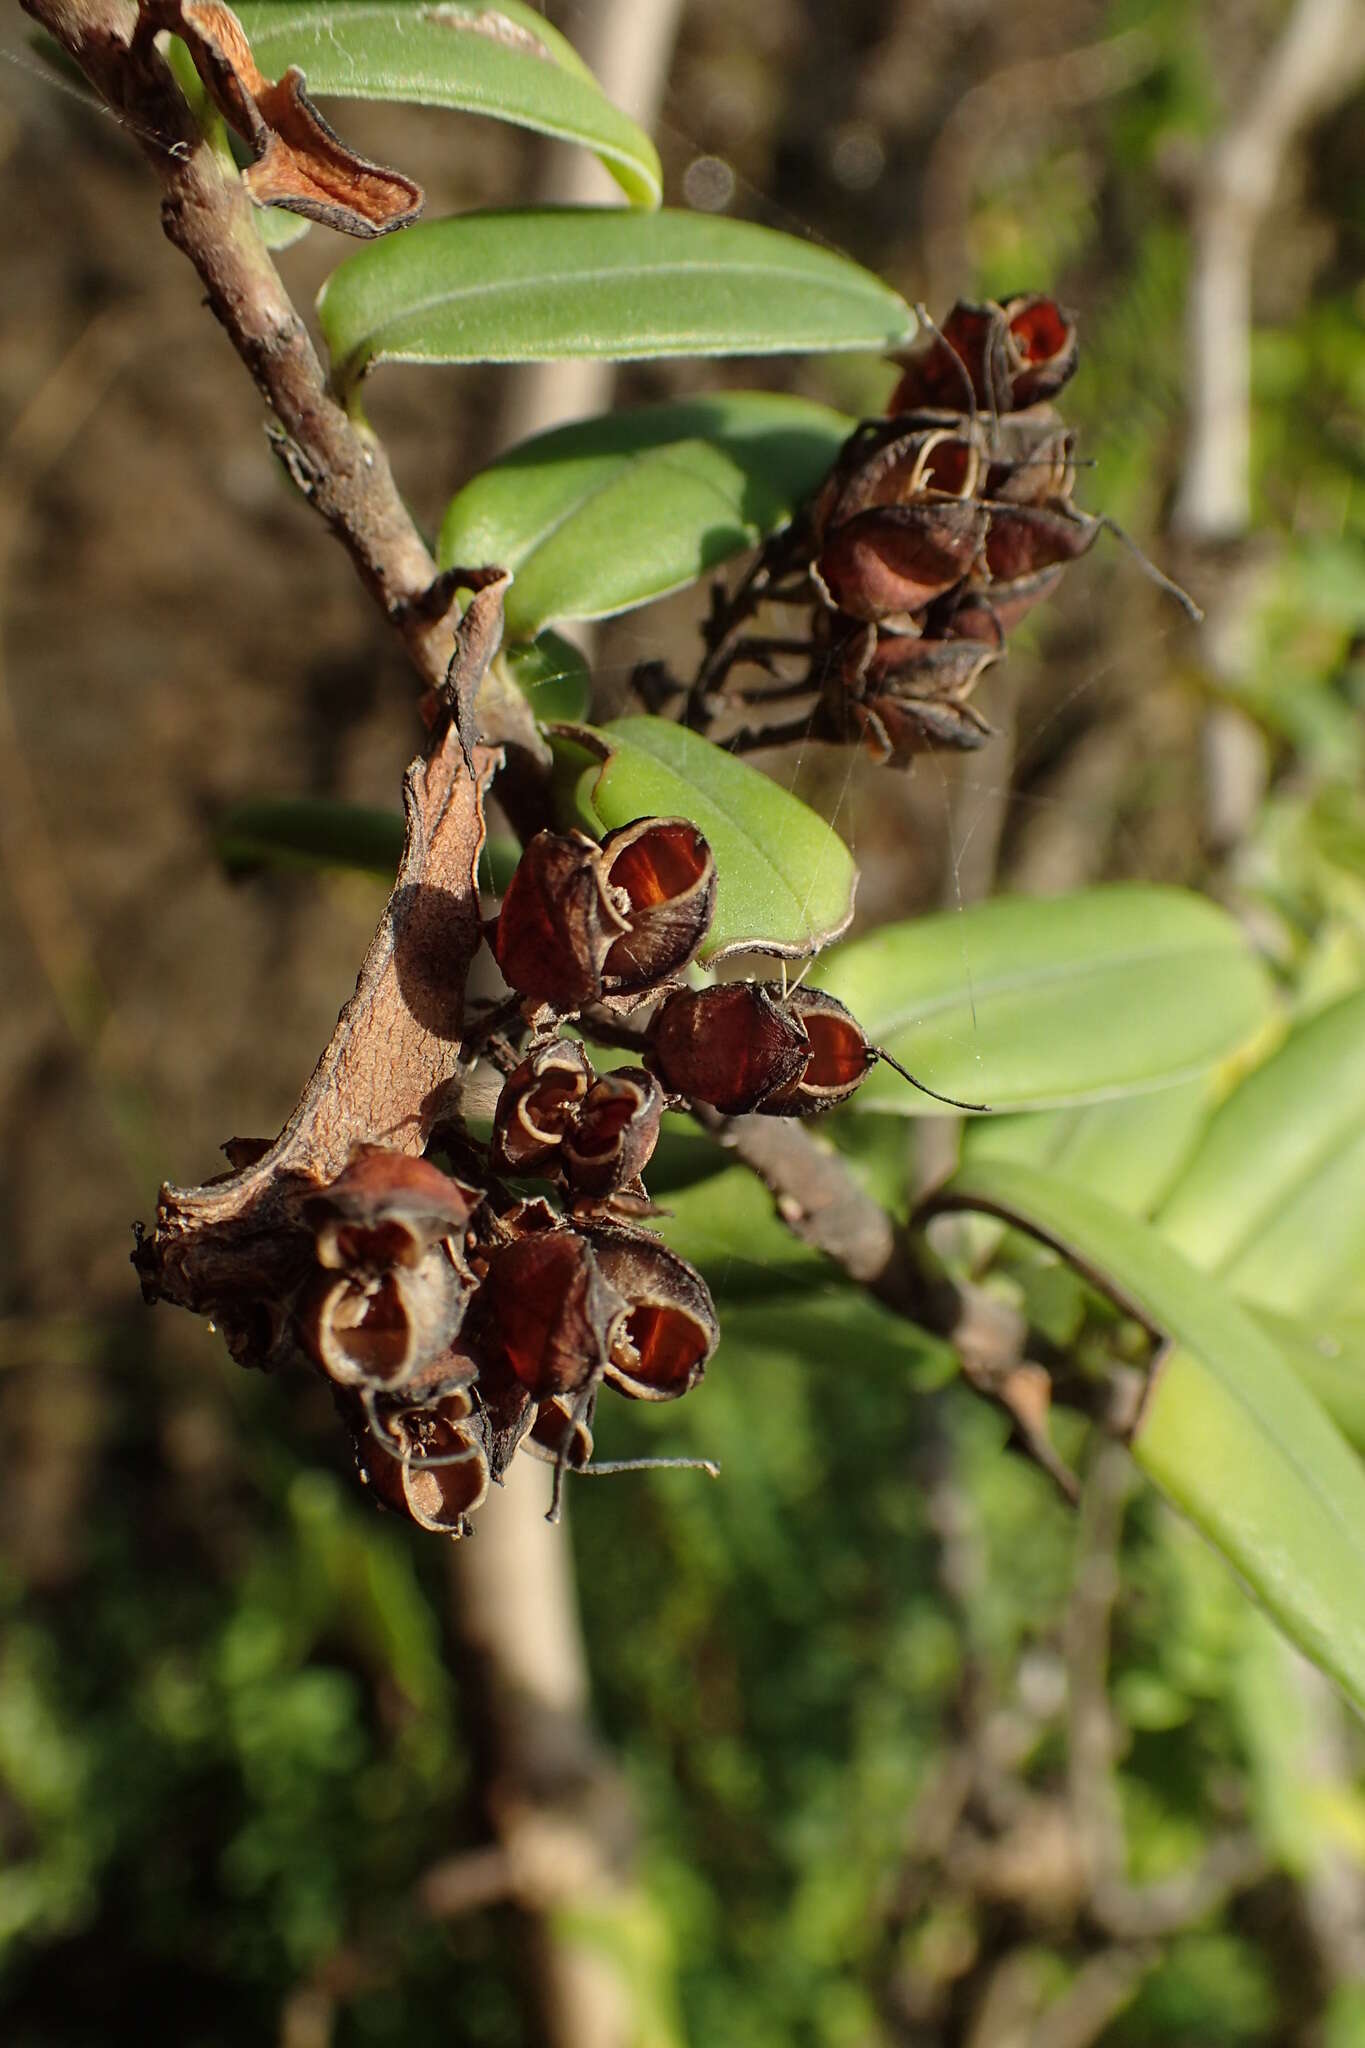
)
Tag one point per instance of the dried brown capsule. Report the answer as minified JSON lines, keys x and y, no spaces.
{"x":376,"y":1329}
{"x":385,"y":1210}
{"x":558,"y":922}
{"x":661,"y":874}
{"x":887,"y":563}
{"x":391,"y":1294}
{"x":537,"y":1107}
{"x":669,"y":1331}
{"x":901,"y":694}
{"x":1032,"y":460}
{"x":426,"y":1460}
{"x":581,"y":922}
{"x":1042,"y":345}
{"x":564,"y":1428}
{"x":614,"y":1132}
{"x":839,"y":1056}
{"x":965,"y":363}
{"x":988,"y":611}
{"x":1024,"y":539}
{"x":546,"y":1309}
{"x":998,"y":358}
{"x":891,"y":462}
{"x":746,"y":1046}
{"x":732,"y":1046}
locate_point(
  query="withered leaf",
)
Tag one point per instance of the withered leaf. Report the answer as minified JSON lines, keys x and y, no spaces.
{"x":241,"y":1239}
{"x":301,"y":164}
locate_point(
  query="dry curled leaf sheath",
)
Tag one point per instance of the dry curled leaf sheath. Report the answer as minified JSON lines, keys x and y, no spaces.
{"x":235,"y":1247}
{"x":301,"y":164}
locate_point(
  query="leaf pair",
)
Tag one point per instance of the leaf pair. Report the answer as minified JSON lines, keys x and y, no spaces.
{"x":1250,"y":1269}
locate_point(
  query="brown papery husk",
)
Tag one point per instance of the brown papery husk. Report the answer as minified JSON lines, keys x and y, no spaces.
{"x":546,"y":1308}
{"x":838,"y":1059}
{"x":670,"y":1329}
{"x":557,"y":923}
{"x":986,"y":612}
{"x":891,"y":561}
{"x":1032,"y":460}
{"x":614,"y":1133}
{"x":730,"y":1046}
{"x":437,"y":1496}
{"x":537,"y":1106}
{"x":667,"y":874}
{"x":1043,"y":347}
{"x":378,"y":1330}
{"x":1024,"y":539}
{"x":967,"y":362}
{"x":385,"y":1209}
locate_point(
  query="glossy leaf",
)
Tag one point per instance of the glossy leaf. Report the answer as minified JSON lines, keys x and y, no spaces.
{"x":1129,"y":1150}
{"x":310,"y":832}
{"x":1328,"y":1354}
{"x":611,"y":512}
{"x":552,"y":673}
{"x":785,"y":879}
{"x":1227,"y":1431}
{"x":596,"y":281}
{"x":504,"y":60}
{"x":1274,"y":1199}
{"x":1029,"y":1001}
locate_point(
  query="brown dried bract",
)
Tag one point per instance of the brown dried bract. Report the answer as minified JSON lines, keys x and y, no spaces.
{"x":547,"y":1311}
{"x":731,"y":1046}
{"x":558,"y":922}
{"x":537,"y":1107}
{"x":666,"y":874}
{"x":614,"y":1133}
{"x":669,"y":1331}
{"x":581,"y":923}
{"x":301,"y":164}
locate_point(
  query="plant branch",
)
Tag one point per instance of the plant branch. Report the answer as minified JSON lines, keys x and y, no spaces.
{"x":208,"y":214}
{"x":818,"y":1197}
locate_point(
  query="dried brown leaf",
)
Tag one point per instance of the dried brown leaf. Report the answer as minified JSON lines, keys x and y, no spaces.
{"x":242,"y":1239}
{"x":301,"y":164}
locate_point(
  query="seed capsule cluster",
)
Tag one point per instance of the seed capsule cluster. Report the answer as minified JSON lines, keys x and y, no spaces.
{"x":939,"y":528}
{"x":460,"y":1322}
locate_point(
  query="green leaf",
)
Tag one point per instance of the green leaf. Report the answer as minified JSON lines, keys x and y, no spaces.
{"x":552,"y":674}
{"x":785,"y":879}
{"x":1274,"y":1199}
{"x":611,"y":512}
{"x":278,"y":229}
{"x":530,"y":286}
{"x":1029,"y":1001}
{"x":310,"y":832}
{"x":504,"y":60}
{"x":772,"y":1289}
{"x":1226,"y":1429}
{"x":1328,"y":1354}
{"x":1129,"y":1150}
